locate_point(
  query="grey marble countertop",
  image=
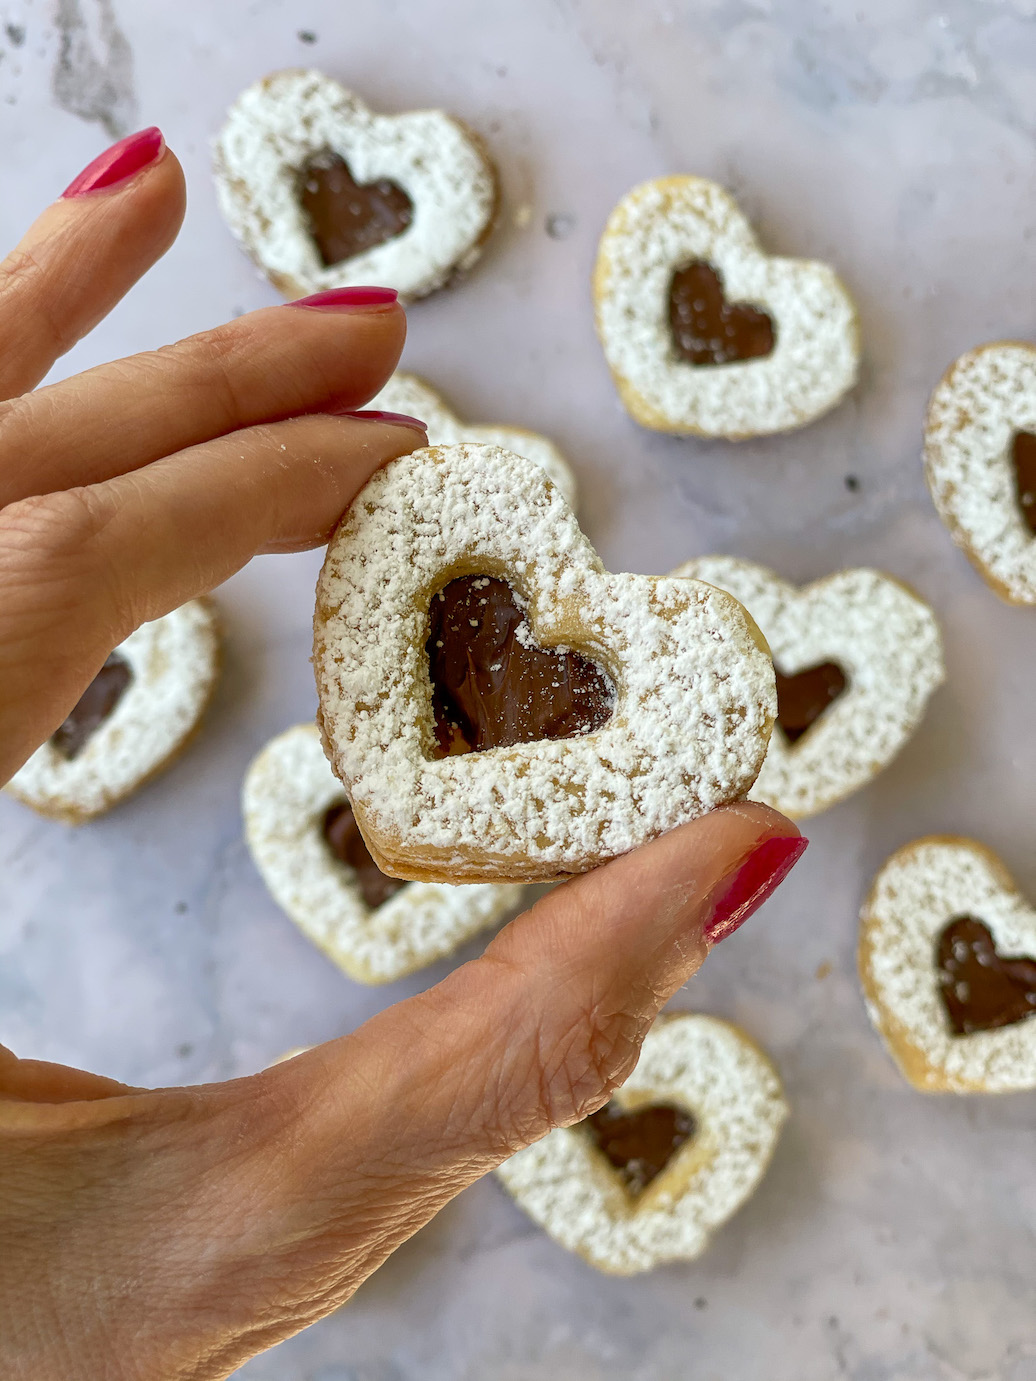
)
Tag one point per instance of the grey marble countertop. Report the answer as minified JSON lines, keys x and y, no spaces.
{"x":895,"y":1236}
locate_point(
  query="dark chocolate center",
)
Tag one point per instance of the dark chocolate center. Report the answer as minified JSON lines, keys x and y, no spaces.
{"x":706,"y":328}
{"x":640,"y":1143}
{"x":1023,"y":452}
{"x":95,"y":705}
{"x":803,"y":698}
{"x":980,"y":989}
{"x":345,"y":217}
{"x":347,"y":844}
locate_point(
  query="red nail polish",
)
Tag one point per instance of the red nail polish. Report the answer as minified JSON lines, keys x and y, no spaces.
{"x":118,"y":164}
{"x":758,"y":877}
{"x":349,"y":299}
{"x":394,"y":419}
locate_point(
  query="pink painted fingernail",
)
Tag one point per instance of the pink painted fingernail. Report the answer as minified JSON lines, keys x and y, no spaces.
{"x":349,"y":299}
{"x":755,"y":879}
{"x":118,"y":164}
{"x":394,"y":419}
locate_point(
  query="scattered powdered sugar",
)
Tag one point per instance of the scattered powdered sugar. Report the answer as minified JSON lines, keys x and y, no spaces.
{"x":278,"y":124}
{"x":664,"y":225}
{"x":987,"y":396}
{"x":886,"y":641}
{"x":695,"y":693}
{"x":917,"y":893}
{"x":716,"y":1073}
{"x":175,"y":663}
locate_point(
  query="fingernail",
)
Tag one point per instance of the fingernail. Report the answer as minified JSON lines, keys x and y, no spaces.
{"x":755,"y":879}
{"x":118,"y":164}
{"x":394,"y":419}
{"x":349,"y":299}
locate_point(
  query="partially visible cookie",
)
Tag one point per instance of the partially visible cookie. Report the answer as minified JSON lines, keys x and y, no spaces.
{"x":679,"y":1149}
{"x":858,"y":656}
{"x":706,"y":334}
{"x":948,"y":966}
{"x":312,"y":857}
{"x":408,"y":394}
{"x":980,"y":463}
{"x":130,"y":722}
{"x":323,"y":193}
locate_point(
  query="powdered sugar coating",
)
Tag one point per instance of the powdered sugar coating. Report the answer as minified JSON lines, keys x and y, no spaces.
{"x":286,"y":793}
{"x":278,"y":124}
{"x":888,"y":644}
{"x":715,"y":1072}
{"x":695,"y":697}
{"x":986,"y":396}
{"x":408,"y":394}
{"x":917,"y":893}
{"x":659,"y":227}
{"x":175,"y":663}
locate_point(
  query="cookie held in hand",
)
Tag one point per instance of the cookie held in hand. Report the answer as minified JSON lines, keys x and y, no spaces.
{"x":679,"y":1149}
{"x":706,"y":334}
{"x":323,"y":193}
{"x":980,"y":463}
{"x":947,"y":961}
{"x":312,"y":857}
{"x":136,"y":716}
{"x":858,"y":656}
{"x":499,"y":707}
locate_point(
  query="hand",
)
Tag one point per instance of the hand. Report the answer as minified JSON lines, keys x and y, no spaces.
{"x":157,"y":1236}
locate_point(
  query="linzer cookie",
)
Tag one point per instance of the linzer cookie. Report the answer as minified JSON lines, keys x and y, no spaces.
{"x":408,"y":394}
{"x":704,"y":333}
{"x":948,"y":966}
{"x":307,"y":846}
{"x":500,"y":708}
{"x":857,"y":655}
{"x":323,"y":193}
{"x":659,"y":1169}
{"x":980,"y":462}
{"x":135,"y":716}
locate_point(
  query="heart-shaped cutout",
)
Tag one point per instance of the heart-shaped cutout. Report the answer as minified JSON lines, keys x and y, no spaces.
{"x":945,"y":963}
{"x":318,"y":869}
{"x":694,"y":691}
{"x":714,"y":1109}
{"x":323,"y":193}
{"x":858,"y":656}
{"x":706,"y":334}
{"x":131,"y":721}
{"x":980,"y":463}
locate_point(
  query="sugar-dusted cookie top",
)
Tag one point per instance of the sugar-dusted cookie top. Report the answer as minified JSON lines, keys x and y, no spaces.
{"x":704,"y":333}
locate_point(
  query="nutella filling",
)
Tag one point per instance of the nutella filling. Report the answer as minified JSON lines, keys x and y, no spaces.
{"x":492,"y":687}
{"x":345,"y":217}
{"x":803,"y":698}
{"x":1023,"y":451}
{"x":347,"y":844}
{"x":639,"y":1144}
{"x":980,"y":989}
{"x":95,"y":705}
{"x":706,"y":328}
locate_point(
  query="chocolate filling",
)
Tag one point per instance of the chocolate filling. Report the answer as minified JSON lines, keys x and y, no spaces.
{"x":347,"y":844}
{"x":980,"y":989}
{"x":803,"y":698}
{"x":706,"y":328}
{"x":640,"y":1143}
{"x":345,"y":217}
{"x":1023,"y":452}
{"x":492,"y":687}
{"x":94,"y":706}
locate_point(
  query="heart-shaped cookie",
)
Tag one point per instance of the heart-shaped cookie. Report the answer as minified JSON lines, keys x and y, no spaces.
{"x":980,"y":462}
{"x":323,"y":193}
{"x":607,"y":708}
{"x":858,"y":657}
{"x":133,"y":719}
{"x":312,"y":858}
{"x":408,"y":394}
{"x":706,"y":334}
{"x":948,"y":966}
{"x":676,"y":1153}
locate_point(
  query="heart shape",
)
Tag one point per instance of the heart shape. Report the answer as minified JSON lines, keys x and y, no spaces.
{"x":639,"y":1143}
{"x":978,"y":472}
{"x":273,"y":135}
{"x":137,"y":715}
{"x":781,"y":375}
{"x":912,"y":946}
{"x":694,"y":688}
{"x":287,"y":796}
{"x":860,"y":626}
{"x":981,"y":989}
{"x":723,"y":1084}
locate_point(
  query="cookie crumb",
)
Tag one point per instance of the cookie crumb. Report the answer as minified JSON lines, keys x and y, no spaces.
{"x":522,"y":215}
{"x":852,"y":483}
{"x":180,"y":908}
{"x":823,"y":970}
{"x":307,"y":36}
{"x":559,"y":225}
{"x":701,"y":1302}
{"x":16,"y":33}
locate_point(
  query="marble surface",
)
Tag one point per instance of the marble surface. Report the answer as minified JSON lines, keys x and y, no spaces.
{"x":896,"y":1234}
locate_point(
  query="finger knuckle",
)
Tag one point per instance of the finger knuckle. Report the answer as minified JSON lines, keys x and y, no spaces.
{"x":211,"y":361}
{"x":585,"y":1059}
{"x":23,"y":281}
